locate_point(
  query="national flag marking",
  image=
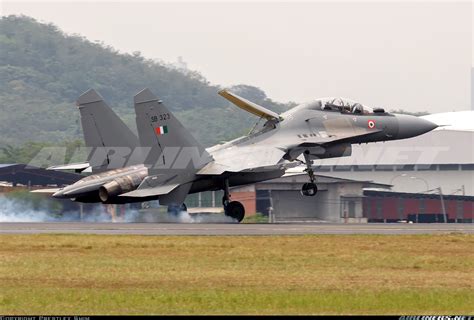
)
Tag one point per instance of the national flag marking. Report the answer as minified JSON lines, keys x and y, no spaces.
{"x":371,"y":124}
{"x":161,"y":130}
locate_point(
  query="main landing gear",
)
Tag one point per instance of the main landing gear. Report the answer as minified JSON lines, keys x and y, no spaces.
{"x":175,"y":210}
{"x":233,"y":209}
{"x":309,"y":189}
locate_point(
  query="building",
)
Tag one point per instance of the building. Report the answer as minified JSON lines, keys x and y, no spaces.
{"x":389,"y":206}
{"x":472,"y":89}
{"x":18,"y":174}
{"x":338,"y":200}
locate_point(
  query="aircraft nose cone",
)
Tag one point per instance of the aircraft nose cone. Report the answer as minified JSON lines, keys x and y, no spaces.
{"x":411,"y":126}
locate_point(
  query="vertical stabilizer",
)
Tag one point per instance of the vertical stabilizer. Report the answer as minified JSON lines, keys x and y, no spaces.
{"x":160,"y":130}
{"x":104,"y":130}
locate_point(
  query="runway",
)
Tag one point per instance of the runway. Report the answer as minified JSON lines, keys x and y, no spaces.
{"x":231,"y":229}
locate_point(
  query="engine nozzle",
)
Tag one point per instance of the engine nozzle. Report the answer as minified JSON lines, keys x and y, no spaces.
{"x":121,"y":185}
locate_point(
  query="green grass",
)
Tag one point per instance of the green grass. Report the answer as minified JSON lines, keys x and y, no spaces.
{"x":256,"y":218}
{"x":327,"y":274}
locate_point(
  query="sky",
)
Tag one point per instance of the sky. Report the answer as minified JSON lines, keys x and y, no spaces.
{"x":411,"y":55}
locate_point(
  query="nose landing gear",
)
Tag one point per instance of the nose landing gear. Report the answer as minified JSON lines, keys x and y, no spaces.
{"x":309,"y":189}
{"x":233,"y":209}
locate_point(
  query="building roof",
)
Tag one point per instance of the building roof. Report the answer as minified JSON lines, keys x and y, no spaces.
{"x":31,"y":175}
{"x":3,"y":165}
{"x":393,"y":194}
{"x":459,"y":121}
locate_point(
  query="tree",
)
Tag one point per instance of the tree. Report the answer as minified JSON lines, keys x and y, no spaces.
{"x":44,"y":70}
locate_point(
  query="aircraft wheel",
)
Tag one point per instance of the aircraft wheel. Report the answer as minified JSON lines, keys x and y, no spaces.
{"x":235,"y":210}
{"x":309,"y":189}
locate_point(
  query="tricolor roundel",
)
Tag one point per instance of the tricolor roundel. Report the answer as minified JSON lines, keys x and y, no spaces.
{"x":161,"y":130}
{"x":371,"y":124}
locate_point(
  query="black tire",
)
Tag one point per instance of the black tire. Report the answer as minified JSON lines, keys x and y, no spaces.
{"x":235,"y":210}
{"x":309,"y":189}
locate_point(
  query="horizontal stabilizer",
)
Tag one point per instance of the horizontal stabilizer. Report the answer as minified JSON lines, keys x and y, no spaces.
{"x":150,"y":192}
{"x":77,"y":167}
{"x":46,"y":191}
{"x":249,"y":106}
{"x":154,"y":185}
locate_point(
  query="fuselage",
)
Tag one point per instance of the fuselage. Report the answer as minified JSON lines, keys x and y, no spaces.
{"x":304,"y":125}
{"x":323,"y":128}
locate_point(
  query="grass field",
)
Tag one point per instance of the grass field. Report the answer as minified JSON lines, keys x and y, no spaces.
{"x":327,"y":274}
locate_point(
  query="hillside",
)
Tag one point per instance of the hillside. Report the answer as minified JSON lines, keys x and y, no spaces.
{"x":43,"y":71}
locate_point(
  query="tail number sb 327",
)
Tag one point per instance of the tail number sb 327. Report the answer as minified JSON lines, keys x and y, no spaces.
{"x":161,"y":117}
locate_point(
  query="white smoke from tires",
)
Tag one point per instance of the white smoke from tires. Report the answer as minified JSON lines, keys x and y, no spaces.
{"x":15,"y":210}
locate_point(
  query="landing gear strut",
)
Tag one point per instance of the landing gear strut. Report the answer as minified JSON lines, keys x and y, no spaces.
{"x":175,"y":209}
{"x":309,"y":189}
{"x":233,"y":209}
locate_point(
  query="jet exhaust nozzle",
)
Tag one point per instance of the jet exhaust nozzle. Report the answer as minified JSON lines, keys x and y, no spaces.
{"x":121,"y":185}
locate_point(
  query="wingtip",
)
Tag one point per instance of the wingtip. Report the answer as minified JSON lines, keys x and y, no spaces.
{"x":144,"y":96}
{"x":223,"y":92}
{"x":89,"y":96}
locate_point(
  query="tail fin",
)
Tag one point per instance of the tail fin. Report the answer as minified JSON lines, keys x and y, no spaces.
{"x":159,"y":129}
{"x":103,"y":129}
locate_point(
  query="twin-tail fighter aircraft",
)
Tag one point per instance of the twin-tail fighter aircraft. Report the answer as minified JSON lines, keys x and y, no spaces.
{"x":166,"y":163}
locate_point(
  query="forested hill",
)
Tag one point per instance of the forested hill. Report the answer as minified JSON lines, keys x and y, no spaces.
{"x":43,"y":71}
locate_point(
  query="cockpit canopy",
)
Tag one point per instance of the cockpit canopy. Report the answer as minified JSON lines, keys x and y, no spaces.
{"x":341,"y":105}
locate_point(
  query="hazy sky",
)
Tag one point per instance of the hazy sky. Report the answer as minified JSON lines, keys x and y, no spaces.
{"x":414,"y":55}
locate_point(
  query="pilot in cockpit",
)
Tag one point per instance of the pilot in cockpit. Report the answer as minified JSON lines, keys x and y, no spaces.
{"x":346,"y":106}
{"x":357,"y":108}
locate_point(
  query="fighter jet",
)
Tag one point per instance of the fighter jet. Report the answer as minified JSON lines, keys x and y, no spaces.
{"x":166,"y":163}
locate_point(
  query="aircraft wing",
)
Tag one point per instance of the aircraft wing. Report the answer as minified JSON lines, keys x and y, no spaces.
{"x":260,"y":157}
{"x":242,"y":158}
{"x":249,"y":106}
